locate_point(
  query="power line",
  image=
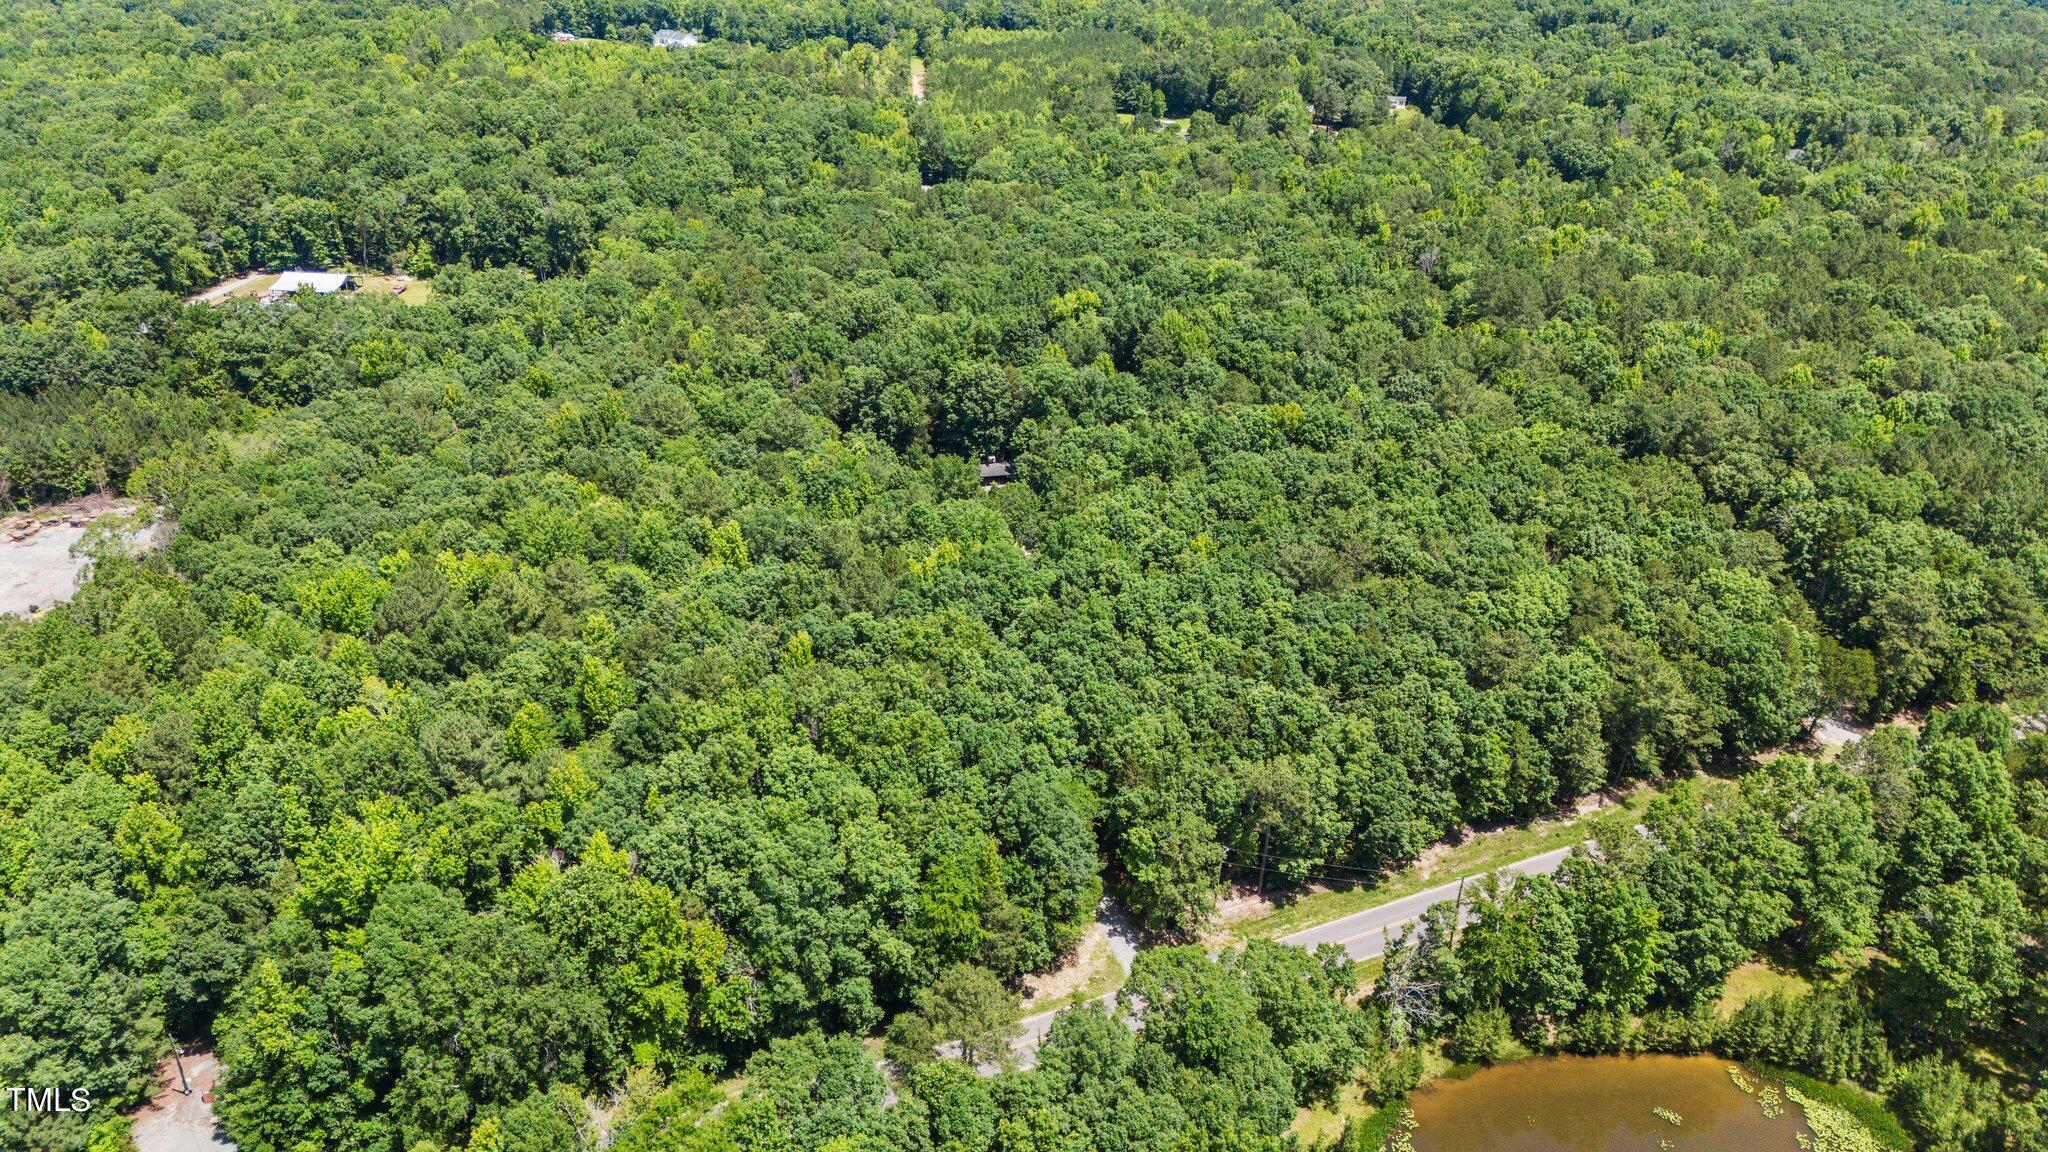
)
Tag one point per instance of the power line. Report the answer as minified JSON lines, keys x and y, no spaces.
{"x":1363,"y":873}
{"x":1314,"y":860}
{"x":1339,"y":880}
{"x":1305,"y":876}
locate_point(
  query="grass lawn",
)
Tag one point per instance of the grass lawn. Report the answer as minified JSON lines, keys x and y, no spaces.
{"x":1178,"y":126}
{"x":1754,"y":979}
{"x":1367,"y":972}
{"x":412,"y":291}
{"x":1482,"y":853}
{"x":254,"y":288}
{"x":1323,"y":1125}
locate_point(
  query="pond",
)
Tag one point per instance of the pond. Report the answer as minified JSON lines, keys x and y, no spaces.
{"x":1608,"y":1104}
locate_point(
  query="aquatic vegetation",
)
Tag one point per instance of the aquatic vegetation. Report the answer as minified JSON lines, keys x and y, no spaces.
{"x":1741,"y":1081}
{"x":1834,"y":1129}
{"x":1404,"y":1129}
{"x":1670,"y":1117}
{"x":1769,"y":1100}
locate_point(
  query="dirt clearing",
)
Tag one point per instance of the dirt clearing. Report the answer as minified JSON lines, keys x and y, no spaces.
{"x":45,"y":553}
{"x":178,"y":1120}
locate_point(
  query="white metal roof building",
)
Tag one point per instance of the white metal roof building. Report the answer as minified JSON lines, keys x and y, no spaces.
{"x":670,"y":38}
{"x":321,"y":283}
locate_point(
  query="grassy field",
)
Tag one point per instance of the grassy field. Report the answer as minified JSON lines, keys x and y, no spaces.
{"x":254,"y":288}
{"x":1752,"y":980}
{"x":1479,"y":854}
{"x":1178,"y":127}
{"x":1323,"y":1125}
{"x":408,"y":291}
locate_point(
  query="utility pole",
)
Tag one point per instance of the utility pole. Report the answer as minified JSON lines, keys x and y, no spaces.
{"x":1262,"y":863}
{"x":178,"y":1056}
{"x":1458,"y":921}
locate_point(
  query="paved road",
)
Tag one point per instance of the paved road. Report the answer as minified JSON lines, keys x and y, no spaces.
{"x":1032,"y":1029}
{"x":1364,"y":934}
{"x":1840,"y":730}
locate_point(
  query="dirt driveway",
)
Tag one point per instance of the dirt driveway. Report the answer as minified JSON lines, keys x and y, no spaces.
{"x":175,"y":1122}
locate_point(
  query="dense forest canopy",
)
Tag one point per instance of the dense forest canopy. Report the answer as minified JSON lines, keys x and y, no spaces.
{"x":609,"y":673}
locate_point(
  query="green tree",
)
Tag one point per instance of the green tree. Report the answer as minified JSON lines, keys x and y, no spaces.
{"x":74,"y":1012}
{"x":1620,"y":948}
{"x":966,"y":1011}
{"x":1172,"y":864}
{"x":1956,"y":959}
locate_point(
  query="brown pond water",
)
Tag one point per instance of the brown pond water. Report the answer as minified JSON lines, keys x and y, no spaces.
{"x":1603,"y":1104}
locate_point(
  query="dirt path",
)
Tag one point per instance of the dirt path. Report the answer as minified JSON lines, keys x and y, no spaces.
{"x":917,"y":79}
{"x":1107,"y":941}
{"x":224,"y":289}
{"x":175,"y":1120}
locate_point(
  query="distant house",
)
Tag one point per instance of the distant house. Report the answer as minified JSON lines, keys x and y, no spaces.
{"x":670,"y":38}
{"x":320,"y":283}
{"x":994,"y":472}
{"x":563,"y":37}
{"x":1396,"y":103}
